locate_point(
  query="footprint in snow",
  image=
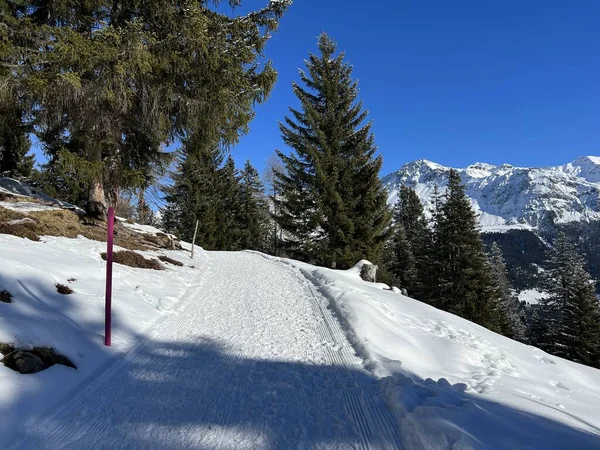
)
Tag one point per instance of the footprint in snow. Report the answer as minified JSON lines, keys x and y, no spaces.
{"x":545,"y":360}
{"x":560,"y":385}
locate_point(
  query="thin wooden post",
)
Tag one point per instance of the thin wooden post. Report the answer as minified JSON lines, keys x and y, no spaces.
{"x":194,"y":240}
{"x":109,"y":261}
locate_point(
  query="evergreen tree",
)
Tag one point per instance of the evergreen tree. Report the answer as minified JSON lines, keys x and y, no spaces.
{"x":14,"y":128}
{"x":231,"y":207}
{"x":431,"y":281}
{"x":254,"y":210}
{"x":14,"y":142}
{"x":331,"y":206}
{"x":571,"y":313}
{"x":465,"y":286}
{"x":208,"y":191}
{"x":274,"y":166}
{"x":410,"y":243}
{"x":510,"y":316}
{"x":104,"y":71}
{"x":195,"y":195}
{"x":401,"y":263}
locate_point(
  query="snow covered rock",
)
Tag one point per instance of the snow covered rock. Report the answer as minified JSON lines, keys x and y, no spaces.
{"x":368,"y":272}
{"x":23,"y":221}
{"x":24,"y":362}
{"x":161,"y":240}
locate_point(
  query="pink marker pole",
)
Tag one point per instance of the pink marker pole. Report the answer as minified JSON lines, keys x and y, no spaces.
{"x":109,"y":261}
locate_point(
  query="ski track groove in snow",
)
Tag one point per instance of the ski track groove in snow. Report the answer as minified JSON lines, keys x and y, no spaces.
{"x":93,"y":395}
{"x":284,"y":374}
{"x":378,"y":417}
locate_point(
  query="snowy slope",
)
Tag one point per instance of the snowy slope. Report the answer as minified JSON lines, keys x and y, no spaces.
{"x":510,"y":197}
{"x":238,"y":352}
{"x":454,"y":384}
{"x":248,"y":351}
{"x":73,"y":324}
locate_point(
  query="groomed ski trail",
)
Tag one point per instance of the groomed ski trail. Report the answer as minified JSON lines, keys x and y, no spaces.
{"x":253,"y":360}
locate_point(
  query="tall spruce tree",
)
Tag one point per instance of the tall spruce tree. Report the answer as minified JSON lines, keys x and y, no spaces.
{"x":331,"y":204}
{"x":411,"y":243}
{"x":230,"y":199}
{"x":254,"y":211}
{"x":14,"y":126}
{"x":401,"y":260}
{"x":571,"y":313}
{"x":511,"y":320}
{"x":196,"y":196}
{"x":464,"y":285}
{"x":274,"y":166}
{"x":14,"y":141}
{"x":102,"y":71}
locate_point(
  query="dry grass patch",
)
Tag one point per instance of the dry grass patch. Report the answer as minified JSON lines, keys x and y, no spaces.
{"x":62,"y":222}
{"x":170,"y":260}
{"x":5,"y":296}
{"x":63,"y":289}
{"x":133,"y":259}
{"x":6,"y":197}
{"x":18,"y":224}
{"x":5,"y":349}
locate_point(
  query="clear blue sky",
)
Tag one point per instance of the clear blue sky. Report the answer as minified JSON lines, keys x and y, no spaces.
{"x":452,"y":81}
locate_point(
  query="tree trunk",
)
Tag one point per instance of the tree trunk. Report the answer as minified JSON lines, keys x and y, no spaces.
{"x":141,"y":204}
{"x":96,"y":205}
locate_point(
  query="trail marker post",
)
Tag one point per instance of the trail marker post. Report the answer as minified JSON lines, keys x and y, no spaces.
{"x":110,"y":225}
{"x":194,"y":239}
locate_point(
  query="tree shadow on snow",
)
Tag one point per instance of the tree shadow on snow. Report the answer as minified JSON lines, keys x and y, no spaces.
{"x":39,"y":316}
{"x":198,"y":395}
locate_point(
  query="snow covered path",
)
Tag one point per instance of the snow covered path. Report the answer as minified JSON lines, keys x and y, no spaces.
{"x":254,"y":359}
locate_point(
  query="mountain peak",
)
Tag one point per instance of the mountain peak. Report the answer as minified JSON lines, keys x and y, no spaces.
{"x":587,"y":160}
{"x":480,"y":170}
{"x":427,"y":163}
{"x":585,"y":167}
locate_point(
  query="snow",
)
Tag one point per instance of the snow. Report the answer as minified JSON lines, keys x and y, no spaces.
{"x":20,"y":189}
{"x":453,"y":384}
{"x":248,"y":351}
{"x":72,"y":324}
{"x":141,"y":228}
{"x":531,"y":296}
{"x":25,"y":207}
{"x":238,"y":352}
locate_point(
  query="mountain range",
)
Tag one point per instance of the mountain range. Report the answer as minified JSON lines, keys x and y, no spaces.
{"x":508,"y":197}
{"x":520,"y":208}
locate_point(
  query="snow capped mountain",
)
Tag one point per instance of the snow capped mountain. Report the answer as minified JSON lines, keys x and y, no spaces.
{"x":508,"y":197}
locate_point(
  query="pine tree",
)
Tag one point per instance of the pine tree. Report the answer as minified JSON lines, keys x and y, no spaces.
{"x":14,"y":128}
{"x":231,"y":207}
{"x":401,"y":262}
{"x":510,"y":315}
{"x":571,"y":313}
{"x":410,"y":243}
{"x":14,"y":142}
{"x":465,"y":287}
{"x":104,"y":71}
{"x":195,"y":196}
{"x":254,"y":210}
{"x":430,"y":279}
{"x":332,"y":206}
{"x":274,"y":166}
